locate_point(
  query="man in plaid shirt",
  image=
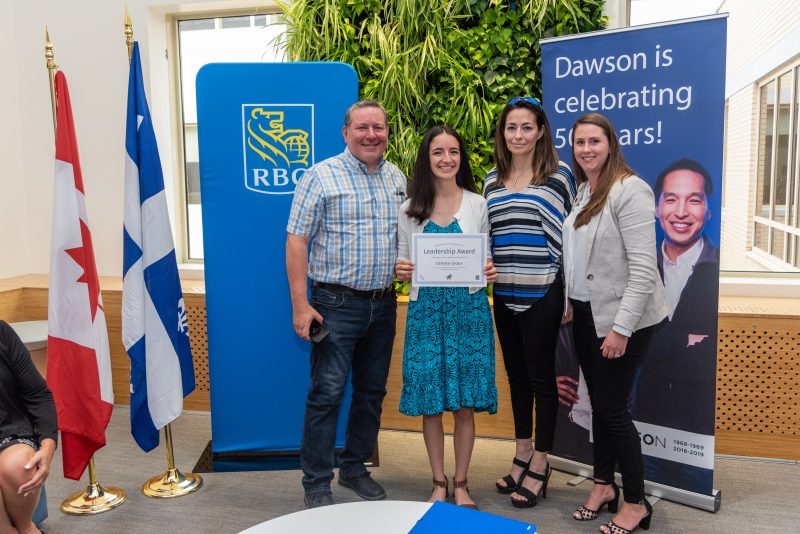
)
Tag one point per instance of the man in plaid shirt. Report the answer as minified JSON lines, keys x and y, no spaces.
{"x":346,"y":209}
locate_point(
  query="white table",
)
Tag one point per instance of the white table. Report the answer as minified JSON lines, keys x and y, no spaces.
{"x":364,"y":517}
{"x":32,"y":333}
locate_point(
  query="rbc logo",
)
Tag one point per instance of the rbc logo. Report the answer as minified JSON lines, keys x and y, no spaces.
{"x":278,"y":146}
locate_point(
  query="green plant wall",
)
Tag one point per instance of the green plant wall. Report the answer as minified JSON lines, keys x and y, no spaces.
{"x":454,"y":62}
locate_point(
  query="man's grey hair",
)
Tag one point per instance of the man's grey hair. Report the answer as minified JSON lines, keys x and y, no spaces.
{"x":348,"y":115}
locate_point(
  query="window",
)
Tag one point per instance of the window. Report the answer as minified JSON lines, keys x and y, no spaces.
{"x":776,"y":226}
{"x":243,"y":38}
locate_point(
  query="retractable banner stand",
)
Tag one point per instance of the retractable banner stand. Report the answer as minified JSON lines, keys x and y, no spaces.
{"x":260,"y":127}
{"x":663,"y":88}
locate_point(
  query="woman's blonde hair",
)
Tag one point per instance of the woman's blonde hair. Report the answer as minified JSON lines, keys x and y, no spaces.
{"x":614,"y":169}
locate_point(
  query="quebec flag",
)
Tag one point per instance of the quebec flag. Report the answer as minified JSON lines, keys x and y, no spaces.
{"x":155,"y":331}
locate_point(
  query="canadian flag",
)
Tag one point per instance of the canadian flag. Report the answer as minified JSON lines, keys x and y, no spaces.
{"x":78,"y":362}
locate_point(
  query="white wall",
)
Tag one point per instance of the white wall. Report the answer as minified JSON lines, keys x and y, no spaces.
{"x":90,"y":49}
{"x":14,"y":220}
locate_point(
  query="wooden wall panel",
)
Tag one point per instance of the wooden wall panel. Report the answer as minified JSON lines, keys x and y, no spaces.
{"x":200,"y":399}
{"x":12,"y":308}
{"x":120,"y":363}
{"x":29,"y":303}
{"x":758,"y":386}
{"x":35,"y":303}
{"x":758,"y":367}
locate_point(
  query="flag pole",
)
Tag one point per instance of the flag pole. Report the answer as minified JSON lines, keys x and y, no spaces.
{"x":95,"y":498}
{"x":172,"y":483}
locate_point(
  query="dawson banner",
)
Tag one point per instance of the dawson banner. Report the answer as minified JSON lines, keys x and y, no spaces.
{"x":663,"y":88}
{"x":260,"y":127}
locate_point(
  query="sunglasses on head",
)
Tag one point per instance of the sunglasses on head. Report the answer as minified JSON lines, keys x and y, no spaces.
{"x":528,"y":99}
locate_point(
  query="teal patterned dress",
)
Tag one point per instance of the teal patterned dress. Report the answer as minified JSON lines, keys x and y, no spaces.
{"x":448,"y":358}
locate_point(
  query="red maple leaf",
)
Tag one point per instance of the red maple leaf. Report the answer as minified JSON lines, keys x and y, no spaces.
{"x":84,"y":256}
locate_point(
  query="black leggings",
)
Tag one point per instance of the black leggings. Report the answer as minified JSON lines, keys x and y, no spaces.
{"x":609,"y":381}
{"x":528,"y":340}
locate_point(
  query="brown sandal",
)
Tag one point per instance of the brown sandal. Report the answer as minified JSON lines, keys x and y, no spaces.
{"x":463,"y":484}
{"x":441,"y":484}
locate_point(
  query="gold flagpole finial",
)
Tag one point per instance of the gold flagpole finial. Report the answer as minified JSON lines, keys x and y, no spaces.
{"x":128,"y":34}
{"x":49,"y":57}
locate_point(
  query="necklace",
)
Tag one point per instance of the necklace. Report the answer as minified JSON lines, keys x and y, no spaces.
{"x":514,"y":185}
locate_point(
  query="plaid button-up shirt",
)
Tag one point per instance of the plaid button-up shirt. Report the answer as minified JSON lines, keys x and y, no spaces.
{"x":351,"y":217}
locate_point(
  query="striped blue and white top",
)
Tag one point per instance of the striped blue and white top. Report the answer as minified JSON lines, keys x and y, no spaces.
{"x":526,"y":235}
{"x":350,"y":216}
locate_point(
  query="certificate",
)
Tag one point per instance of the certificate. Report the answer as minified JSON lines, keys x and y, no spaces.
{"x":452,"y":260}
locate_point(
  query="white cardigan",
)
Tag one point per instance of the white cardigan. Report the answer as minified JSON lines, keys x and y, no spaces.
{"x":472,"y":217}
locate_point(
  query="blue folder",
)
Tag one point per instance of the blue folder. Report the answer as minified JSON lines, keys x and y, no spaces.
{"x":444,"y":517}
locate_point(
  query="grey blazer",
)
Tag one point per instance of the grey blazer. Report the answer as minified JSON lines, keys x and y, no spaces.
{"x":624,"y":285}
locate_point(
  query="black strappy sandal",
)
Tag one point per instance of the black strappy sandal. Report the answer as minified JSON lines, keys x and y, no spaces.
{"x":531,"y":498}
{"x":511,"y":484}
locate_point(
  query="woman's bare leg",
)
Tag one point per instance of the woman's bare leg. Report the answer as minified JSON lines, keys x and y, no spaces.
{"x":19,"y":508}
{"x":433,"y":433}
{"x":463,"y":443}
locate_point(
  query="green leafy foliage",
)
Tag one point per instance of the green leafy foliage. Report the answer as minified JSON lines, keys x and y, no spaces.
{"x":454,"y":62}
{"x":429,"y":62}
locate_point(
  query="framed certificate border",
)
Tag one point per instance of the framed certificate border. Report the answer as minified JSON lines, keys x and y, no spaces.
{"x":462,"y":274}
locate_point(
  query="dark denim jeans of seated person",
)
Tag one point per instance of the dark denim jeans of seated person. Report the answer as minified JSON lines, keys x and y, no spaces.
{"x":361,"y":335}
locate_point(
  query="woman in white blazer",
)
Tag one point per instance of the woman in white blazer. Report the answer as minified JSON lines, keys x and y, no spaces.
{"x":613,"y":286}
{"x":448,"y":355}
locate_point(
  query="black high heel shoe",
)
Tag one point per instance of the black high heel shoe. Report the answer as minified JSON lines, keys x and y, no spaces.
{"x":511,"y":484}
{"x":531,"y":498}
{"x":587,"y":514}
{"x":644,"y":523}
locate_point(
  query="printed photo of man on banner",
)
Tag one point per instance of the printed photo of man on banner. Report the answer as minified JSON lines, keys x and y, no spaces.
{"x":662,"y":86}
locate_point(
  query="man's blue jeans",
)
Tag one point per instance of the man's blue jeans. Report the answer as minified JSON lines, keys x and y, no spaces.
{"x":361,"y":336}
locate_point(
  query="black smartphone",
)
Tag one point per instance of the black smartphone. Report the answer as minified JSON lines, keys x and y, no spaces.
{"x":317,"y":332}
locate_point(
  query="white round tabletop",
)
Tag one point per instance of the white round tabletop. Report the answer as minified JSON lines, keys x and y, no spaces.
{"x":365,"y":517}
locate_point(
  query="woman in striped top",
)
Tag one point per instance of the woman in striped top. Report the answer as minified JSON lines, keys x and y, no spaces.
{"x":529,"y":195}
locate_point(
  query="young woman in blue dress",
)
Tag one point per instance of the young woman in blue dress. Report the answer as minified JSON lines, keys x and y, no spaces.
{"x":529,"y":194}
{"x":448,"y":357}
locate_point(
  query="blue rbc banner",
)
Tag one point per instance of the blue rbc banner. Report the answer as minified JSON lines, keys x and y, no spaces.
{"x":663,"y":88}
{"x":260,"y":127}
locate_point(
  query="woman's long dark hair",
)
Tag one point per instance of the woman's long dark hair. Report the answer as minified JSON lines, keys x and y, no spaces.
{"x":422,"y":190}
{"x":545,"y":156}
{"x":614,"y":169}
